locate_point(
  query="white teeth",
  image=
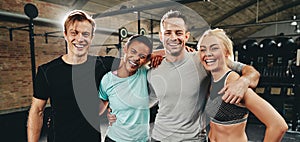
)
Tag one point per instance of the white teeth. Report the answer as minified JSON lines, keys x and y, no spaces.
{"x":79,"y":45}
{"x":209,"y":61}
{"x":132,"y":63}
{"x":173,"y":44}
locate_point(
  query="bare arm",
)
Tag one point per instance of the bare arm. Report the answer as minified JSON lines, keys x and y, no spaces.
{"x":35,"y":119}
{"x":111,"y":117}
{"x":275,"y":124}
{"x":103,"y":106}
{"x":160,"y":52}
{"x":156,"y":58}
{"x":249,"y":74}
{"x":234,"y":91}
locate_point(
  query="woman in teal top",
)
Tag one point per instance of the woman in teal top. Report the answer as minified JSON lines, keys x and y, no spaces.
{"x":125,"y":89}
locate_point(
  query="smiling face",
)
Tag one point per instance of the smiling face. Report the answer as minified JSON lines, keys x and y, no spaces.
{"x":79,"y":37}
{"x":135,"y":56}
{"x":173,"y":35}
{"x":213,"y":54}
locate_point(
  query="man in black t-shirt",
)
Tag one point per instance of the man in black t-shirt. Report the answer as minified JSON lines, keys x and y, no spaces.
{"x":71,"y":82}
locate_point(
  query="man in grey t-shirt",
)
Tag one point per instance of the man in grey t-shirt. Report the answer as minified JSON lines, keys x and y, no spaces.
{"x":180,"y":84}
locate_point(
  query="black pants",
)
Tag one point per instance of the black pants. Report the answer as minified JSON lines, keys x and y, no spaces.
{"x":154,"y":140}
{"x":107,"y":139}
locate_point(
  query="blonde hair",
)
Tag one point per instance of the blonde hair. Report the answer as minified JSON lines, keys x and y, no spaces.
{"x":221,"y":35}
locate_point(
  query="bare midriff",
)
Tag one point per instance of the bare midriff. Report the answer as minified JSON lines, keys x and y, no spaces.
{"x":228,"y":133}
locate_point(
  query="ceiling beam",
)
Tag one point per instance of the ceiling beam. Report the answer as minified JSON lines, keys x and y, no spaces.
{"x":280,"y":9}
{"x":187,"y":1}
{"x":233,"y":11}
{"x":142,"y":8}
{"x":79,"y":4}
{"x":257,"y":24}
{"x":22,"y":18}
{"x":270,"y":36}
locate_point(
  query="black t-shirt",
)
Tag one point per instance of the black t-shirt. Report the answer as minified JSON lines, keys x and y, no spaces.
{"x":73,"y":93}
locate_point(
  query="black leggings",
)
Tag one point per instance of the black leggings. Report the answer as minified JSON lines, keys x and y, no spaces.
{"x":154,"y":140}
{"x":107,"y":139}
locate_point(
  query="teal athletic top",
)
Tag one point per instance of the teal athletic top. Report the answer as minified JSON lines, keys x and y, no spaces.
{"x":129,"y":101}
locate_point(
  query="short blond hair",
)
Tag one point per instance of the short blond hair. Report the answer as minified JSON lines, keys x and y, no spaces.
{"x":79,"y":15}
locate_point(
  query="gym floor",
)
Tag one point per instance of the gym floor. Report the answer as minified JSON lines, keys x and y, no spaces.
{"x":13,"y":129}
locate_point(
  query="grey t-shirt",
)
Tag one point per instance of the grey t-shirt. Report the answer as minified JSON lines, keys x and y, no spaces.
{"x":180,"y":89}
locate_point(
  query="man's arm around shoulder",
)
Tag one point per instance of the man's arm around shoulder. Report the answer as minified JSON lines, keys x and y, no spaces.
{"x":234,"y":92}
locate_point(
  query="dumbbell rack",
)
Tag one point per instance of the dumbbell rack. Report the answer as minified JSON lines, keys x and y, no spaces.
{"x":280,"y":77}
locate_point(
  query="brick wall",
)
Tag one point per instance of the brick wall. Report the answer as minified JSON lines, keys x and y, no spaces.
{"x":15,"y":58}
{"x":15,"y":64}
